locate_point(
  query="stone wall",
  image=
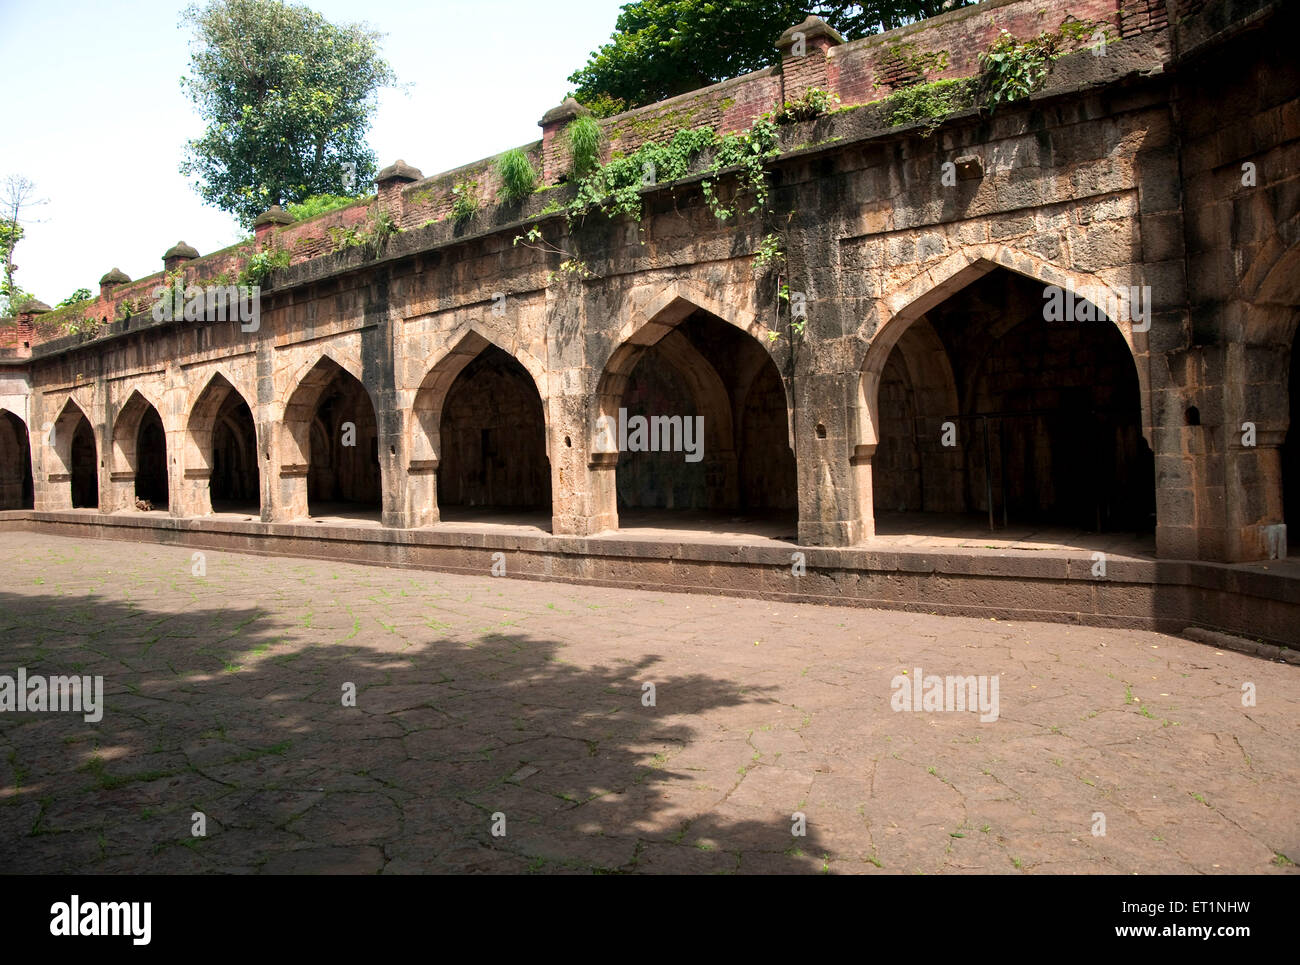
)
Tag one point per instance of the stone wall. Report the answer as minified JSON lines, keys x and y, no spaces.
{"x":1121,"y":174}
{"x":859,"y":72}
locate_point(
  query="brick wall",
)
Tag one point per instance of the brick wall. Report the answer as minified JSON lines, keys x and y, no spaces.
{"x":859,"y":72}
{"x":869,"y":69}
{"x":16,"y":337}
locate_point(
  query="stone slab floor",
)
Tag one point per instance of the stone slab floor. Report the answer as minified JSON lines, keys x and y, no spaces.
{"x":482,"y":696}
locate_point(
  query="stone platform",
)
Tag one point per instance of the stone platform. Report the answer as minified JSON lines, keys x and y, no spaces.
{"x":949,"y":568}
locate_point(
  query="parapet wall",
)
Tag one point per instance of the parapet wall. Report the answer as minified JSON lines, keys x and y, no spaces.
{"x":858,"y":72}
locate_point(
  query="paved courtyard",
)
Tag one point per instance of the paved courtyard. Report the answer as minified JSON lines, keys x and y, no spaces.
{"x":485,"y":701}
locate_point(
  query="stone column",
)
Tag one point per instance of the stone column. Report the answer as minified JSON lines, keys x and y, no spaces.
{"x":111,"y":280}
{"x":803,"y":57}
{"x":177,"y":255}
{"x":267,"y":223}
{"x":583,"y":500}
{"x":834,"y":474}
{"x":555,"y":149}
{"x":267,"y":411}
{"x":1257,"y":402}
{"x":389,"y":184}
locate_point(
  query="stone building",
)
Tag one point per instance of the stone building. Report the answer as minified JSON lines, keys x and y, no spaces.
{"x":1075,"y":313}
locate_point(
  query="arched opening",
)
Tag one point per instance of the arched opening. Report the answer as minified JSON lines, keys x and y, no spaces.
{"x":1291,"y":457}
{"x":234,"y":482}
{"x":988,"y":409}
{"x":695,"y":420}
{"x":332,"y":440}
{"x":492,"y":463}
{"x":15,"y":463}
{"x":85,"y":471}
{"x":151,"y":456}
{"x":913,"y":470}
{"x":478,"y":448}
{"x":221,"y":457}
{"x":344,"y":476}
{"x":139,"y":472}
{"x":72,"y":458}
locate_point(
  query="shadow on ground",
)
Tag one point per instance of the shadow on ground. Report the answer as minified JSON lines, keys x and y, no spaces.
{"x":235,"y":714}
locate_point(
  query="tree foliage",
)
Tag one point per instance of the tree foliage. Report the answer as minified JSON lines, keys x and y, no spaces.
{"x":661,"y":48}
{"x":11,"y":232}
{"x":287,"y":97}
{"x":76,"y":298}
{"x":16,"y":197}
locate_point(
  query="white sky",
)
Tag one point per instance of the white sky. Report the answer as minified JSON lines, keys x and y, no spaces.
{"x":95,"y":115}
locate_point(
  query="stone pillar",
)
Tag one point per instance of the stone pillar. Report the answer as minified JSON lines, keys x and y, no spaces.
{"x":288,"y":495}
{"x":1256,"y":527}
{"x":583,"y":500}
{"x":121,"y":489}
{"x":422,"y":492}
{"x":1218,"y":464}
{"x":97,"y":414}
{"x":582,"y":482}
{"x":268,"y":222}
{"x":175,"y":418}
{"x":599,"y":502}
{"x":555,"y":148}
{"x":833,"y":501}
{"x":267,"y":410}
{"x":803,"y":57}
{"x":1258,"y":405}
{"x":862,"y":496}
{"x":48,"y":493}
{"x":177,"y":255}
{"x":389,"y":183}
{"x":111,"y":281}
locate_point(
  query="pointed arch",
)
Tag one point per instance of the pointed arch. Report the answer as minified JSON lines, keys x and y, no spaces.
{"x":655,"y":319}
{"x":74,"y":460}
{"x":431,"y":395}
{"x":125,"y":429}
{"x":349,"y":472}
{"x":913,"y":470}
{"x":16,"y":489}
{"x":895,"y":313}
{"x":325,"y":355}
{"x":1061,"y":414}
{"x":310,"y":383}
{"x":476,"y":472}
{"x":658,"y":330}
{"x":221,"y":451}
{"x":138,"y":468}
{"x":655,"y":310}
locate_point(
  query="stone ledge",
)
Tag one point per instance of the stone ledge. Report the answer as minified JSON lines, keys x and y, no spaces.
{"x":1056,"y":587}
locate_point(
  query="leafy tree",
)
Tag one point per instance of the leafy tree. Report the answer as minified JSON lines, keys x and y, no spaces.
{"x":76,"y":298}
{"x":15,"y":197}
{"x":287,"y":97}
{"x":661,"y":48}
{"x":11,"y":232}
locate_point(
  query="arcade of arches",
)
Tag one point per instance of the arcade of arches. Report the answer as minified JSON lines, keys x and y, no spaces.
{"x":984,"y":411}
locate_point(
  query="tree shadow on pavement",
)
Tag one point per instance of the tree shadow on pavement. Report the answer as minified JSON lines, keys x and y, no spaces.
{"x":238,"y":715}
